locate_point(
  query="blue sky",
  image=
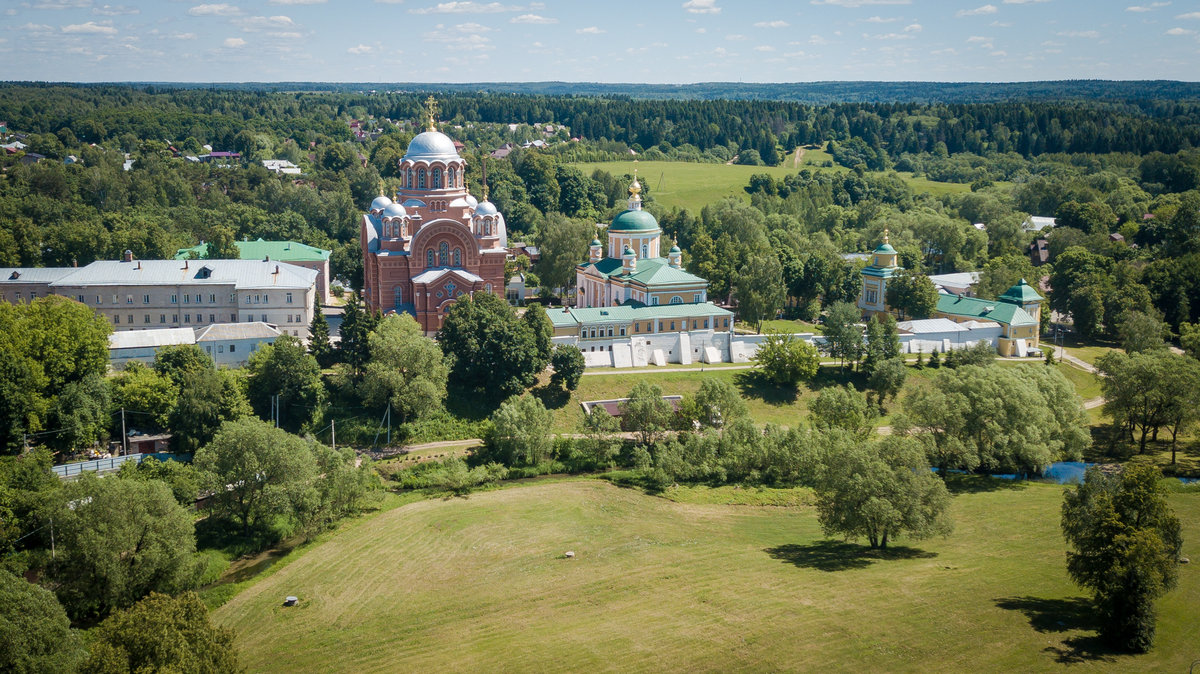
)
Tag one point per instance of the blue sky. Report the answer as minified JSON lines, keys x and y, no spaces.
{"x":674,"y":41}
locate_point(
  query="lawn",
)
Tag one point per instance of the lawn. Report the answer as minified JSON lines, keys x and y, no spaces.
{"x":480,"y":584}
{"x":782,"y":326}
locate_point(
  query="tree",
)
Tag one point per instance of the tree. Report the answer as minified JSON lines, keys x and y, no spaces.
{"x":887,"y":378}
{"x":117,"y":541}
{"x":543,"y":333}
{"x":144,"y":390}
{"x":842,"y":333}
{"x":1189,"y":339}
{"x":996,"y":417}
{"x":883,"y":342}
{"x":207,"y":398}
{"x":285,"y":371}
{"x":715,"y":405}
{"x":600,"y":444}
{"x":1125,"y":542}
{"x":82,"y":412}
{"x":645,"y":412}
{"x":176,"y":361}
{"x":759,"y":291}
{"x":222,"y":244}
{"x":519,"y":433}
{"x":1183,"y":408}
{"x":787,"y":360}
{"x":912,"y":294}
{"x":490,"y":349}
{"x":34,"y":630}
{"x":255,"y":471}
{"x":879,"y":491}
{"x":1141,"y":332}
{"x":357,"y":324}
{"x":406,"y":371}
{"x":162,"y":633}
{"x":318,"y":336}
{"x":563,"y":243}
{"x":1136,"y":396}
{"x":568,"y":364}
{"x":841,"y":408}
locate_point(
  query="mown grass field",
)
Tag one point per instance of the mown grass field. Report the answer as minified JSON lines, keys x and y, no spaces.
{"x":479,"y":584}
{"x":692,"y":186}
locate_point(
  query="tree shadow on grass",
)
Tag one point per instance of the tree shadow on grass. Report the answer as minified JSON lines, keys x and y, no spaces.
{"x":831,"y":556}
{"x":1064,"y":615}
{"x":553,"y":397}
{"x":753,"y":384}
{"x":966,"y":483}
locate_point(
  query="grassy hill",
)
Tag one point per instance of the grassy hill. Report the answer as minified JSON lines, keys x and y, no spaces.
{"x":478,"y":583}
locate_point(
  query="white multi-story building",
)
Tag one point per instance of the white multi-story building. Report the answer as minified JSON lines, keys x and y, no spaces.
{"x":149,"y":294}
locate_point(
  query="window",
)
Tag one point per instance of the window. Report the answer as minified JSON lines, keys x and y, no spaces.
{"x":208,"y":348}
{"x":212,"y":318}
{"x":146,"y":318}
{"x":583,"y":333}
{"x":672,"y":325}
{"x":187,"y":318}
{"x":696,"y":297}
{"x":115,"y":299}
{"x":653,"y":301}
{"x":421,"y":179}
{"x":187,"y":299}
{"x":257,"y":298}
{"x":266,"y":299}
{"x":212,"y":299}
{"x":645,"y":251}
{"x":174,"y":318}
{"x":637,"y":327}
{"x":232,"y":348}
{"x":437,"y":178}
{"x":145,"y":299}
{"x":289,"y":318}
{"x":99,"y":299}
{"x":726,"y":323}
{"x":289,"y":298}
{"x":443,"y":254}
{"x":233,"y":318}
{"x":199,"y":318}
{"x":80,"y":298}
{"x":233,"y":298}
{"x":676,"y":300}
{"x":706,"y":323}
{"x":429,"y":258}
{"x":130,"y":317}
{"x":220,"y":348}
{"x":199,"y":298}
{"x":162,"y":318}
{"x":622,"y":330}
{"x":116,"y":319}
{"x":299,"y":319}
{"x":174,"y":299}
{"x":264,"y":318}
{"x":457,"y":257}
{"x":129,"y":299}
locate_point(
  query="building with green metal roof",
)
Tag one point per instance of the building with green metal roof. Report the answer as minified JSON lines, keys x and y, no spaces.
{"x":292,"y":252}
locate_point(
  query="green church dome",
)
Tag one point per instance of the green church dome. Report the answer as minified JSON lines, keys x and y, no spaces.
{"x":633,"y":221}
{"x":885,"y":249}
{"x":1021,"y":293}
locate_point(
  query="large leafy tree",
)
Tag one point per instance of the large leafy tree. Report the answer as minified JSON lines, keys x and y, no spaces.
{"x":286,"y":370}
{"x":118,"y":540}
{"x":842,"y":334}
{"x":879,"y":491}
{"x":563,"y":243}
{"x":177,"y":361}
{"x":543,"y":333}
{"x":716,"y":404}
{"x":1020,"y":418}
{"x":841,"y":408}
{"x":1124,"y":543}
{"x":568,"y":365}
{"x":519,"y":433}
{"x":912,"y":294}
{"x":407,"y":370}
{"x":646,"y":412}
{"x":787,"y":360}
{"x":255,"y":471}
{"x":883,"y":342}
{"x":1142,"y":392}
{"x":150,"y":396}
{"x":207,"y":398}
{"x":162,"y":634}
{"x":34,"y":630}
{"x":759,"y":291}
{"x":491,"y":349}
{"x":81,"y":412}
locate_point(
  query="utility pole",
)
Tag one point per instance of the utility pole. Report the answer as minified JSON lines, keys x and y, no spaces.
{"x":389,"y":422}
{"x":333,"y":434}
{"x":124,"y":435}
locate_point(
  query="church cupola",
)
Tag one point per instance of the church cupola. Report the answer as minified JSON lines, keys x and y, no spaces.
{"x":595,"y":252}
{"x":629,"y":261}
{"x":675,"y":257}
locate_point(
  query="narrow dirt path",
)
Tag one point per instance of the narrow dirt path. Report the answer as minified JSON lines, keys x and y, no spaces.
{"x":799,"y":156}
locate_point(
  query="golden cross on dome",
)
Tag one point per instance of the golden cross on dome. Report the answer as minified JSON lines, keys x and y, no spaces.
{"x":431,"y":109}
{"x":635,"y":188}
{"x":885,"y":234}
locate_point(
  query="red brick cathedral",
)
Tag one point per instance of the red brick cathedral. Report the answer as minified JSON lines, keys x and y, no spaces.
{"x":435,"y":242}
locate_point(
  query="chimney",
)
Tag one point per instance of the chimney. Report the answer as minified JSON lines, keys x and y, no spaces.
{"x":276,"y":269}
{"x":74,"y":262}
{"x":128,"y":256}
{"x":185,"y":264}
{"x":267,"y":258}
{"x":139,"y":265}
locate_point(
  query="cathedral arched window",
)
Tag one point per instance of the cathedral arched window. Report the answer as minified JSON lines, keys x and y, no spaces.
{"x":676,"y":300}
{"x":398,"y":295}
{"x":645,"y":251}
{"x":437,"y":178}
{"x":421,"y":179}
{"x":429,"y":258}
{"x":443,"y":254}
{"x":452,"y":177}
{"x":409,"y":183}
{"x":457,"y":257}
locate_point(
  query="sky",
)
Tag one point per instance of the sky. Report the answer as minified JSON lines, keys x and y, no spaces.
{"x":651,"y":41}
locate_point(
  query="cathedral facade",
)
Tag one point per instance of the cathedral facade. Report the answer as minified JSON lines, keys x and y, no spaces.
{"x":433,"y":242}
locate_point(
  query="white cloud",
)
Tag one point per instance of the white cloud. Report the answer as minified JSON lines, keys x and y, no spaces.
{"x":720,"y":51}
{"x":1146,"y":8}
{"x":735,"y":36}
{"x":702,"y":30}
{"x":986,"y":42}
{"x":533,"y":18}
{"x":35,"y":28}
{"x":880,"y":19}
{"x":1089,"y":34}
{"x":287,"y":35}
{"x":360,"y":49}
{"x":1001,"y":24}
{"x":912,"y":28}
{"x":889,"y":36}
{"x":1180,"y":31}
{"x":234,"y":42}
{"x":999,"y":53}
{"x":772,"y":24}
{"x":764,"y":47}
{"x":60,"y":4}
{"x":103,"y":28}
{"x":978,"y":11}
{"x":860,"y":3}
{"x":221,"y":9}
{"x":183,"y":36}
{"x":461,"y":42}
{"x":459,"y":7}
{"x":297,"y":2}
{"x":702,"y":7}
{"x":253,"y":23}
{"x":590,"y":30}
{"x":115,"y":10}
{"x":818,"y":39}
{"x":1189,"y":15}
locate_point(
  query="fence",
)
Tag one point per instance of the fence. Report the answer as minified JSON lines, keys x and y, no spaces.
{"x":69,"y":470}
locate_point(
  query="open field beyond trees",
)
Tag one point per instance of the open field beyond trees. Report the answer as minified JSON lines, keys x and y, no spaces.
{"x":479,"y":583}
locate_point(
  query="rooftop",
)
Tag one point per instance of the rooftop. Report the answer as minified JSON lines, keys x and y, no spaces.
{"x":987,"y":310}
{"x":632,"y":311}
{"x":285,"y":251}
{"x":650,"y":271}
{"x":33,"y":274}
{"x":135,"y":339}
{"x":227,"y":331}
{"x":241,"y":273}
